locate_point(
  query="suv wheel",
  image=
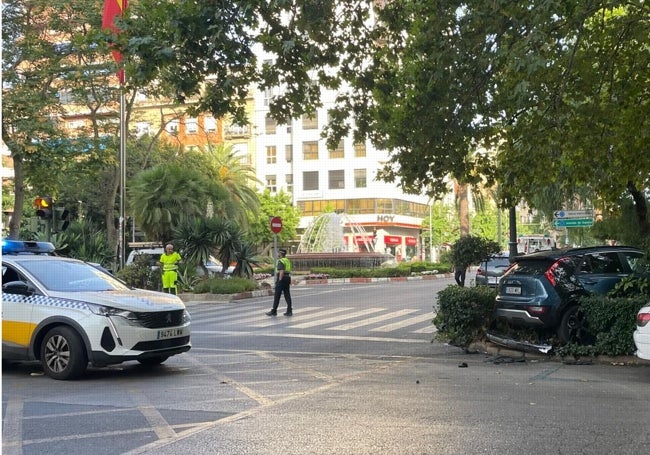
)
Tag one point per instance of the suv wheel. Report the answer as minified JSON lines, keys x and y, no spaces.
{"x":573,"y":327}
{"x":62,"y":354}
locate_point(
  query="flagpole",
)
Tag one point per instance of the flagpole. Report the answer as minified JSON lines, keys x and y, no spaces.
{"x":122,"y":174}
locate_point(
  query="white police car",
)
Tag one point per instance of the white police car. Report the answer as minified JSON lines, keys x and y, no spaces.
{"x":67,"y":313}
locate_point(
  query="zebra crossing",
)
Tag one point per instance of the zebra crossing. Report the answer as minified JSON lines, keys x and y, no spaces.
{"x":349,"y":320}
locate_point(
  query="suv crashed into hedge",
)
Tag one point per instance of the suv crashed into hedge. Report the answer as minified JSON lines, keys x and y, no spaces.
{"x":542,"y":291}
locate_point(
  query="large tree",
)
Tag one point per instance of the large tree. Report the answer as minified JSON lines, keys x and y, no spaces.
{"x":55,"y":67}
{"x":553,"y":86}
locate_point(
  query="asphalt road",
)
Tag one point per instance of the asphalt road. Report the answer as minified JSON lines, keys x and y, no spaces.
{"x":354,"y":371}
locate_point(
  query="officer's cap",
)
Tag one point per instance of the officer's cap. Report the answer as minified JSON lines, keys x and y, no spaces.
{"x":282,"y":251}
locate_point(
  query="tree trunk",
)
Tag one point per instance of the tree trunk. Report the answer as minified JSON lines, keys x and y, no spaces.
{"x":641,"y":207}
{"x":463,"y":209}
{"x":19,"y":197}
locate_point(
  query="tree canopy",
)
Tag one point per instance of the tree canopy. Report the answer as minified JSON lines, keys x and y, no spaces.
{"x":529,"y":94}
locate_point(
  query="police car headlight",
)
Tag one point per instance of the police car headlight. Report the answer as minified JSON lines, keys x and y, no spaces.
{"x":186,"y":317}
{"x":108,"y":311}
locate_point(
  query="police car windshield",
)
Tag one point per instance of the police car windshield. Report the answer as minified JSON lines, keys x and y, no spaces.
{"x":69,"y":276}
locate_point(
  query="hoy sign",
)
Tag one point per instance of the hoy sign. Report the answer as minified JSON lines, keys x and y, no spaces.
{"x":385,"y":218}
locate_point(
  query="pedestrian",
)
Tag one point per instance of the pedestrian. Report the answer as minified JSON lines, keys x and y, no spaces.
{"x":169,"y":261}
{"x":459,"y":274}
{"x":282,"y":284}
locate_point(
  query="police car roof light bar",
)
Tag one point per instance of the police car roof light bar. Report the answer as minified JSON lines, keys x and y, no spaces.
{"x":25,"y":246}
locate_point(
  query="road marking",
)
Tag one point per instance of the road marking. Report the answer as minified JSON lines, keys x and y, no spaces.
{"x":306,"y":325}
{"x":315,"y":337}
{"x":383,"y":317}
{"x":158,"y":423}
{"x":403,"y":323}
{"x":298,"y":316}
{"x":12,"y":428}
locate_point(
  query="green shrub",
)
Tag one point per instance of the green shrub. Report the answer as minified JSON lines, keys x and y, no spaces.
{"x":463,"y":314}
{"x":610,"y":321}
{"x":140,"y":275}
{"x":218,"y":285}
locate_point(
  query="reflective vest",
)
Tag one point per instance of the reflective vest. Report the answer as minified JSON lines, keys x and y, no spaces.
{"x":170,"y":261}
{"x":287,"y":264}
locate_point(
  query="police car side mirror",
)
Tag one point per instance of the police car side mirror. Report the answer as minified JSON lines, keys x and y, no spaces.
{"x":17,"y":287}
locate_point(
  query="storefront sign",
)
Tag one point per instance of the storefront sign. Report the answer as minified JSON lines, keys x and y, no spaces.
{"x":392,"y":240}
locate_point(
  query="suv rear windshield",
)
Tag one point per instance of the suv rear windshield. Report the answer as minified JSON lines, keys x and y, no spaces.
{"x":541,"y":266}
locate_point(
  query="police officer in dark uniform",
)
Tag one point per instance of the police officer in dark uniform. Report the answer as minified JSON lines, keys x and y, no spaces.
{"x":282,"y":284}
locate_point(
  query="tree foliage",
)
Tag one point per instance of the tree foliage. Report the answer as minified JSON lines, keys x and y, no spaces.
{"x":273,"y":205}
{"x":471,"y":249}
{"x":162,"y":197}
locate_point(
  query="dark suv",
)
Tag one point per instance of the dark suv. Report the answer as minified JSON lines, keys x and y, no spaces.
{"x":491,"y":270}
{"x":541,"y":290}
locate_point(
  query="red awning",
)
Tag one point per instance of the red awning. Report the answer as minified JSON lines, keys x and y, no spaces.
{"x":359,"y":239}
{"x":392,"y":240}
{"x":411,"y":241}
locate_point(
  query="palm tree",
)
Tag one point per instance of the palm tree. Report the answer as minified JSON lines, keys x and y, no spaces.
{"x":245,"y":261}
{"x":197,"y":239}
{"x":162,"y":197}
{"x":238,"y":177}
{"x":230,"y":238}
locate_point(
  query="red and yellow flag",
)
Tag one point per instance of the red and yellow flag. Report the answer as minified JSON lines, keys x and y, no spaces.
{"x":114,"y":8}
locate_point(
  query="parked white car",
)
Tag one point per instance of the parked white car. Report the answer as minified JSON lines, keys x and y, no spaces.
{"x":642,"y":333}
{"x":153,"y":257}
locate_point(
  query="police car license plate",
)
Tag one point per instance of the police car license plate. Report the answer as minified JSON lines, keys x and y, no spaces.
{"x":169,"y":333}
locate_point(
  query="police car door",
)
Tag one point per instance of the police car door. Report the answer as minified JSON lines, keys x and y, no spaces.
{"x":17,"y":309}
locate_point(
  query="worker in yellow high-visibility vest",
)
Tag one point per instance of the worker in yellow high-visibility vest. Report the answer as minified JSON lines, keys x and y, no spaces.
{"x":169,"y":261}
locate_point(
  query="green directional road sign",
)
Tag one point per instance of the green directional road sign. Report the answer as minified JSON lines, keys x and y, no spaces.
{"x":574,"y":222}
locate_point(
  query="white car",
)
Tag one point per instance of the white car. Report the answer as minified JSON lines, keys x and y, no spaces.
{"x":213,"y":266}
{"x":642,"y":333}
{"x":67,"y":313}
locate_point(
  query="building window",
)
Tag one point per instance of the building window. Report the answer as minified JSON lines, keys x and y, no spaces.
{"x":337,"y":179}
{"x":289,"y":179}
{"x":172,"y":127}
{"x":271,"y":154}
{"x":360,"y":206}
{"x":288,"y":153}
{"x":310,"y":180}
{"x":271,"y":183}
{"x":236,"y":130}
{"x":142,"y":129}
{"x":270,"y":125}
{"x":191,"y":126}
{"x":360,"y":149}
{"x":210,"y":124}
{"x":310,"y":121}
{"x":66,"y":97}
{"x":75,"y":124}
{"x":360,"y":178}
{"x":338,"y":151}
{"x":310,"y":150}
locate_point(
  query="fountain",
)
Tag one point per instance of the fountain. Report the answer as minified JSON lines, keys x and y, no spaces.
{"x":323,"y":245}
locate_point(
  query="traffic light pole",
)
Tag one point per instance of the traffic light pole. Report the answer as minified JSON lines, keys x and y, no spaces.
{"x":121,"y":229}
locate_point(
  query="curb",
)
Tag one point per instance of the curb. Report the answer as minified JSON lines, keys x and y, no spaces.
{"x":495,"y":350}
{"x":362,"y":280}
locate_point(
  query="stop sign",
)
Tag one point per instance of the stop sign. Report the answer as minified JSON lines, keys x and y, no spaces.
{"x":276,"y":224}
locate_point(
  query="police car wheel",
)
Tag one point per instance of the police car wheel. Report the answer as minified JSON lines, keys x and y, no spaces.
{"x":153,"y":361}
{"x":62,"y":354}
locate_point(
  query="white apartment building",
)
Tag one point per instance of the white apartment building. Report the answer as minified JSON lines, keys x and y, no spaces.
{"x":295,"y":158}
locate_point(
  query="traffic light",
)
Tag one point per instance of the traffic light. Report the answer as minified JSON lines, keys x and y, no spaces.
{"x":61,"y":219}
{"x":43,"y":207}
